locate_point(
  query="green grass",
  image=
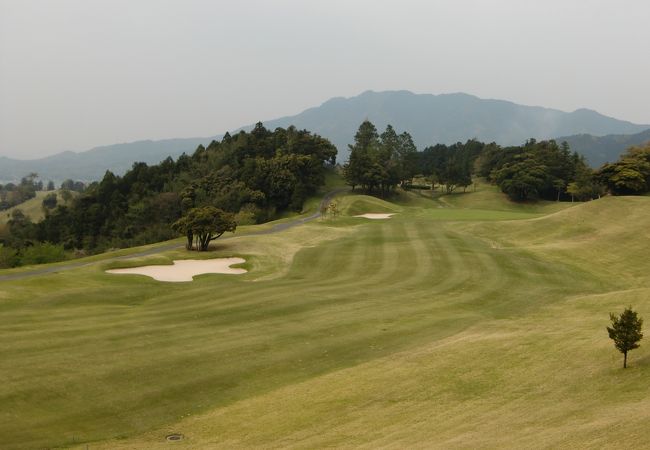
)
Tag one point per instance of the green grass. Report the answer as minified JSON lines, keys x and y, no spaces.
{"x":476,"y":324}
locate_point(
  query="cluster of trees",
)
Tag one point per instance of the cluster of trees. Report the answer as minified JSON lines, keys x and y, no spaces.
{"x":538,"y":170}
{"x":379,"y":163}
{"x":450,"y":166}
{"x":250,"y":175}
{"x":546,"y":170}
{"x":70,"y":185}
{"x":532,"y":171}
{"x":630,"y":175}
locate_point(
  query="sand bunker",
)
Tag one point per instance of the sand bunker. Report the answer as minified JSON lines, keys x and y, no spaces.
{"x":185,"y":269}
{"x":376,"y":215}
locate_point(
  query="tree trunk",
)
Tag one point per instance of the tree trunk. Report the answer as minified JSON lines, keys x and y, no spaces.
{"x":625,"y":360}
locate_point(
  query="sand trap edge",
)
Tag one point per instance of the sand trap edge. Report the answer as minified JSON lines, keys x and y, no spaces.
{"x":184,"y":270}
{"x":376,"y":216}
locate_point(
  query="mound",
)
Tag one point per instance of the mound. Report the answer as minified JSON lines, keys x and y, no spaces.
{"x":355,"y":205}
{"x":604,"y":236}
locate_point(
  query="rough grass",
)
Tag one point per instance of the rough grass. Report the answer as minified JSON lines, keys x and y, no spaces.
{"x":441,"y":327}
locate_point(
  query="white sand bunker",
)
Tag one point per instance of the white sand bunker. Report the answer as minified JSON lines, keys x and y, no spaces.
{"x":185,"y":269}
{"x":375,"y":216}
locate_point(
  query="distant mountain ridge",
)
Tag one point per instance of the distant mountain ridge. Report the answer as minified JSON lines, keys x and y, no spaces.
{"x":449,"y":118}
{"x":430,"y":119}
{"x":601,"y":149}
{"x":92,"y":164}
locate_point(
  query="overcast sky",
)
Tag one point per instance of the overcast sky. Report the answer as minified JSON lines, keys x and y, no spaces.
{"x":75,"y":74}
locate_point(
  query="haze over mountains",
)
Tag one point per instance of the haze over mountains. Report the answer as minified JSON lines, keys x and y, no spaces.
{"x":601,"y":149}
{"x":92,"y":164}
{"x":430,"y":119}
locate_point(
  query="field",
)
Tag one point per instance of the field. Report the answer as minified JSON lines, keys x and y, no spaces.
{"x":465,"y":321}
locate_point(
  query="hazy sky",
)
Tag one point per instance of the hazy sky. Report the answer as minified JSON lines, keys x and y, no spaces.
{"x":80,"y":73}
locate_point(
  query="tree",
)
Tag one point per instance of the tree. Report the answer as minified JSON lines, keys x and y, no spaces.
{"x":357,"y":170}
{"x":522,"y":180}
{"x":408,"y":158}
{"x":625,"y":331}
{"x":380,"y":163}
{"x":630,"y":175}
{"x":49,"y":202}
{"x":204,"y":225}
{"x":66,"y":195}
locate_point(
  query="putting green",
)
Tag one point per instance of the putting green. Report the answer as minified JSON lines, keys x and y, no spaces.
{"x":470,"y":325}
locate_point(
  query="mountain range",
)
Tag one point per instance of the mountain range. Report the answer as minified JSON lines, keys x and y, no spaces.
{"x":599,"y":150}
{"x":430,"y":119}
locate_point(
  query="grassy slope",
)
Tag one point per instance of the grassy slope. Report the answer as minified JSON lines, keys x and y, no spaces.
{"x":444,"y":327}
{"x":33,"y":208}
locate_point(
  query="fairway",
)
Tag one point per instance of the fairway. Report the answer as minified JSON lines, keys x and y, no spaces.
{"x":463,"y":321}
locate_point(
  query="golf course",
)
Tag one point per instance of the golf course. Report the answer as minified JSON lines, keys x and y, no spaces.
{"x":443,"y":321}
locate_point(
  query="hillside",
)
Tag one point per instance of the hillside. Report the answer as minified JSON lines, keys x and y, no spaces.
{"x":430,"y":119}
{"x":601,"y":149}
{"x":462,"y":322}
{"x":32,"y":208}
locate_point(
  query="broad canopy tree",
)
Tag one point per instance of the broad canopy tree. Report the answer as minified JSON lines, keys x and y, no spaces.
{"x":629,"y":175}
{"x":625,"y":331}
{"x":203,"y":225}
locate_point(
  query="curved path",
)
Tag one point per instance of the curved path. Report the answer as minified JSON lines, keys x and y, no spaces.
{"x":163,"y":248}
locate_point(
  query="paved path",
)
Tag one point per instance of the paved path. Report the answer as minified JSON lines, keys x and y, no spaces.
{"x":172,"y":246}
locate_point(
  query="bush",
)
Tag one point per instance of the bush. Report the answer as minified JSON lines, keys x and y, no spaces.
{"x":249,"y":214}
{"x":50,"y":201}
{"x":8,"y":257}
{"x":42,"y":253}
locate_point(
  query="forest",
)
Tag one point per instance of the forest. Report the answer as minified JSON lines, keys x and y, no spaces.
{"x":253,"y":175}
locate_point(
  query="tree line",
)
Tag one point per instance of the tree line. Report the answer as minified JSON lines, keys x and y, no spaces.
{"x":251,"y":175}
{"x":535,"y":170}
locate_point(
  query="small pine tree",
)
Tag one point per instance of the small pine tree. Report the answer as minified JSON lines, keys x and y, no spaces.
{"x":625,"y":331}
